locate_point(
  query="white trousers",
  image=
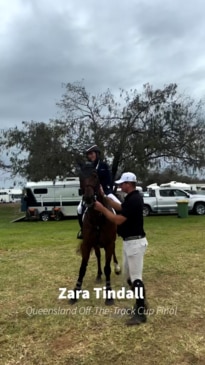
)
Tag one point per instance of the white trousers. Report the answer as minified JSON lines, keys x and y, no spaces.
{"x":80,"y":207}
{"x":133,"y":258}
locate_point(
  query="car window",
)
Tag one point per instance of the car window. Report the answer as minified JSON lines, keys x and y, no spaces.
{"x":179,"y":193}
{"x":166,"y":192}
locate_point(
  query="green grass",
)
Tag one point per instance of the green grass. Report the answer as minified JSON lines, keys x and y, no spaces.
{"x":36,"y":258}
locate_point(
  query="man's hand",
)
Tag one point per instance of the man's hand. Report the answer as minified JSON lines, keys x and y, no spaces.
{"x":101,"y":191}
{"x":98,"y":206}
{"x":115,"y":218}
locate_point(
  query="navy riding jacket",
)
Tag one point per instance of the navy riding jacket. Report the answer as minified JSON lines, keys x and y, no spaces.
{"x":104,"y":176}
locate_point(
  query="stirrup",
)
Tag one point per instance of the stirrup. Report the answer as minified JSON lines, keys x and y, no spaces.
{"x":80,"y":235}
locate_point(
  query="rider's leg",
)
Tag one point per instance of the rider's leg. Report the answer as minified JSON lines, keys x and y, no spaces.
{"x":80,"y":219}
{"x":114,"y":198}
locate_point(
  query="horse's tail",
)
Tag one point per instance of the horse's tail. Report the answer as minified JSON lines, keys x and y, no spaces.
{"x":79,"y":249}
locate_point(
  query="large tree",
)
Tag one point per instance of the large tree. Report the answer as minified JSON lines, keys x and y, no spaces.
{"x":135,"y":131}
{"x":141,"y":130}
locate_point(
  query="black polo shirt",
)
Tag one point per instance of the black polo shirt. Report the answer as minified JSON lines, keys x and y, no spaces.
{"x":132,"y":209}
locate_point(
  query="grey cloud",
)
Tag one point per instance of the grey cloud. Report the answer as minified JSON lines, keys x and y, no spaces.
{"x":108,"y":44}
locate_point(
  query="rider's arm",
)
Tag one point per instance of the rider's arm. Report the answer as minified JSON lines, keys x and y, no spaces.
{"x":105,"y":177}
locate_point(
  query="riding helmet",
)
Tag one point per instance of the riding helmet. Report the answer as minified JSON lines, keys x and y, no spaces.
{"x":93,"y":148}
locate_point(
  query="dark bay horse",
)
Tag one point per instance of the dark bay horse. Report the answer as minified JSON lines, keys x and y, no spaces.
{"x":98,"y":231}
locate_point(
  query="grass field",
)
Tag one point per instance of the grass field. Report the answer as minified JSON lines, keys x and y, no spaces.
{"x":37,"y":258}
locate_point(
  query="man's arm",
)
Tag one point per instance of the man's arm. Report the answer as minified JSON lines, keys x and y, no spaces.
{"x":117,"y":206}
{"x":115,"y":218}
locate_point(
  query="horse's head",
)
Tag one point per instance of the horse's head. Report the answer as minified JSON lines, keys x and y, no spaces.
{"x":89,"y":184}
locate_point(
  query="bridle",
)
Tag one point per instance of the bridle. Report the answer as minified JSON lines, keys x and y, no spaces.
{"x":91,"y":199}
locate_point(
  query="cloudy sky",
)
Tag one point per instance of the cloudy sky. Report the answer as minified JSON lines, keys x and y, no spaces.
{"x":110,"y":44}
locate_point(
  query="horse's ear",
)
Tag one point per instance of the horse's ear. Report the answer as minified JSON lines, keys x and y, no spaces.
{"x":80,"y":167}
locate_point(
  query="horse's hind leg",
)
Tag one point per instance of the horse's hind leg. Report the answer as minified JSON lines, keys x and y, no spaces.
{"x":107,"y":270}
{"x":117,"y":266}
{"x":98,"y":256}
{"x":82,"y":271}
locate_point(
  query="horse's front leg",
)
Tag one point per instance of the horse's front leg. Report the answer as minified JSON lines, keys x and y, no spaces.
{"x":107,"y":270}
{"x":117,"y":266}
{"x":98,"y":256}
{"x":81,"y":275}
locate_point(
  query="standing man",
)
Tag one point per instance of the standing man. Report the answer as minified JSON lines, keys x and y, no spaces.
{"x":130,"y":228}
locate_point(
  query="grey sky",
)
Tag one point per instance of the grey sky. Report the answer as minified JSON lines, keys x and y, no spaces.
{"x":110,"y":44}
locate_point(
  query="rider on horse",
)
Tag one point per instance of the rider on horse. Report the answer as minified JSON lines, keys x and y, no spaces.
{"x":93,"y":156}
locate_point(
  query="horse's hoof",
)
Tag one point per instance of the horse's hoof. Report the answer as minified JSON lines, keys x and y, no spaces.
{"x":98,"y":279}
{"x":72,"y":301}
{"x":109,"y":301}
{"x":117,"y":269}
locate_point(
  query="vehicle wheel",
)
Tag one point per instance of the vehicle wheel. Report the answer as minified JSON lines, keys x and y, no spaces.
{"x":36,"y":214}
{"x":28,"y":213}
{"x":58,"y":216}
{"x":45,"y":216}
{"x":146,"y":210}
{"x":199,"y":208}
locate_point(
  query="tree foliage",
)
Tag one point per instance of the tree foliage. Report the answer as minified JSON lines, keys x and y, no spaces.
{"x":140,"y":131}
{"x":39,"y":151}
{"x":135,"y":131}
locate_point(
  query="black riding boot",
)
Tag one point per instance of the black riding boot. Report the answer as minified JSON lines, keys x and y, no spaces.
{"x":129,"y":283}
{"x":140,"y":306}
{"x":80,"y":220}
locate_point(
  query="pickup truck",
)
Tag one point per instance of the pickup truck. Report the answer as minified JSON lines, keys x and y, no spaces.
{"x":164,"y":200}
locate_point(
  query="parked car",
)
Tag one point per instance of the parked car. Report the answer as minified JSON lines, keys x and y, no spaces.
{"x":164,"y":200}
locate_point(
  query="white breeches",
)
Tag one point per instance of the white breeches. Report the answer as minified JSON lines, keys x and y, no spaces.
{"x":114,"y":198}
{"x":133,"y":257}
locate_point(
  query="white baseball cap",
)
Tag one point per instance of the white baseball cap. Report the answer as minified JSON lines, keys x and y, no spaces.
{"x":127,"y":177}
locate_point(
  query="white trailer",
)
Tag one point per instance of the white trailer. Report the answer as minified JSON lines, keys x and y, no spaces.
{"x":51,"y":199}
{"x":175,"y":184}
{"x":190,"y":188}
{"x":10,"y":195}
